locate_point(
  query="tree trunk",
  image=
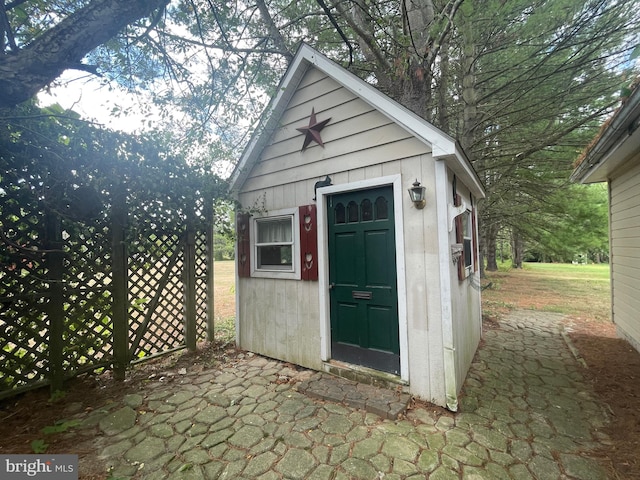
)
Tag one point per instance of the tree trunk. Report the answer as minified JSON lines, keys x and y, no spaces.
{"x":443,"y":91}
{"x":482,"y":248}
{"x":490,"y":246}
{"x":517,"y":245}
{"x":25,"y":72}
{"x":469,"y":84}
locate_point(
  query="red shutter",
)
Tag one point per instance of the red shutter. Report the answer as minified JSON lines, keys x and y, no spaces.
{"x":459,"y":238}
{"x":244,"y":246}
{"x":308,"y":242}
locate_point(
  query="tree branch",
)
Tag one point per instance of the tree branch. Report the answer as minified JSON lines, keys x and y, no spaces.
{"x":366,"y":37}
{"x":5,"y":29}
{"x":274,"y":32}
{"x":25,"y":72}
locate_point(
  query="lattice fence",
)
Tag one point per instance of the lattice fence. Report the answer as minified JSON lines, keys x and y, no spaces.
{"x":72,"y":290}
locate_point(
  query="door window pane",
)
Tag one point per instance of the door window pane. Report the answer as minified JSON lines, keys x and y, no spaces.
{"x":382,"y":210}
{"x":367,"y":210}
{"x":352,"y":212}
{"x":339,"y":213}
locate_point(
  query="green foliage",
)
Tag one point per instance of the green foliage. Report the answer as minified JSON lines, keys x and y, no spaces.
{"x":60,"y":178}
{"x":224,"y":247}
{"x":578,"y":226}
{"x":57,"y":396}
{"x":225,"y":330}
{"x":39,"y":446}
{"x":524,"y":85}
{"x":139,"y":303}
{"x":593,"y":273}
{"x":224,"y":234}
{"x":60,"y":427}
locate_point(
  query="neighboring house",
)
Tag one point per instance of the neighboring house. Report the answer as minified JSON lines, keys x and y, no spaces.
{"x":614,"y":157}
{"x":338,"y":269}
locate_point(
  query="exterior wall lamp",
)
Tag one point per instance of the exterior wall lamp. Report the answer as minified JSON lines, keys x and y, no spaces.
{"x":417,"y":195}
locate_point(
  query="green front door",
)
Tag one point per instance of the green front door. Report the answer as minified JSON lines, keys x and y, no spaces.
{"x":363,"y":279}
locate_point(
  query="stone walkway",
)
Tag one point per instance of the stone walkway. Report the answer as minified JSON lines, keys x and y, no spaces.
{"x":527,"y":413}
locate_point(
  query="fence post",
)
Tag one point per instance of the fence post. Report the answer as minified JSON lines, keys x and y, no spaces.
{"x":120,"y":284}
{"x":209,"y":225}
{"x":55,"y":305}
{"x":190,"y":288}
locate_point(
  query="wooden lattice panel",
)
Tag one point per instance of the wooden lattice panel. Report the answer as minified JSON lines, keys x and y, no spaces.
{"x":86,"y":286}
{"x":202,"y":279}
{"x":156,"y":295}
{"x":58,"y":270}
{"x":23,"y":294}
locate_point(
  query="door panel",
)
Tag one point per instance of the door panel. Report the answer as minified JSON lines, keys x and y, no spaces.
{"x":345,"y":262}
{"x":376,"y":247}
{"x":362,"y":273}
{"x":347,"y":326}
{"x":380,"y":318}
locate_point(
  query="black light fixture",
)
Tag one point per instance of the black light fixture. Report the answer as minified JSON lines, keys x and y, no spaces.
{"x":417,"y":195}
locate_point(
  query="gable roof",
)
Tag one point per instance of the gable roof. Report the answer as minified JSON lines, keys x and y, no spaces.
{"x":442,"y":145}
{"x":618,"y":139}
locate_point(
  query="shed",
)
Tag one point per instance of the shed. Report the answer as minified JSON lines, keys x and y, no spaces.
{"x":614,"y":157}
{"x":338,"y":269}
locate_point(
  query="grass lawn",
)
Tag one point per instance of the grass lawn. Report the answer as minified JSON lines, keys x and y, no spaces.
{"x":224,"y":279}
{"x":582,"y":291}
{"x":579,"y":290}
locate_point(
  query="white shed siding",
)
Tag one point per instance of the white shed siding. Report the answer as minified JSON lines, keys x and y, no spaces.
{"x":423,"y":280}
{"x":625,"y":248}
{"x":275,"y":318}
{"x":280,"y":318}
{"x":466,"y":306}
{"x":357,"y":136}
{"x":362,"y":146}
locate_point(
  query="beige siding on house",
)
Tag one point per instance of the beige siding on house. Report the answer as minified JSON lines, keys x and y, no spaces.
{"x":625,"y":248}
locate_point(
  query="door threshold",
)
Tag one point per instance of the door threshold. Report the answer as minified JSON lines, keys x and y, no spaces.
{"x":365,"y":375}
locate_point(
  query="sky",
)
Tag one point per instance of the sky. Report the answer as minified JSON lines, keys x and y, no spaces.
{"x":89,"y":97}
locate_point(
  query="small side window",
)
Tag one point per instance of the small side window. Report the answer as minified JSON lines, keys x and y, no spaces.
{"x":467,"y":235}
{"x":274,"y":243}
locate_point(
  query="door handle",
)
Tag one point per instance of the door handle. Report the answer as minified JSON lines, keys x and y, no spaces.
{"x":331,"y":285}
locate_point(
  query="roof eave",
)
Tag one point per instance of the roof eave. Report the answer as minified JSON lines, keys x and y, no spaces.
{"x":442,"y":145}
{"x":599,"y":160}
{"x":269,"y":120}
{"x":459,"y":163}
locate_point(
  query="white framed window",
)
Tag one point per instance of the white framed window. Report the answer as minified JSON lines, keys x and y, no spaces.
{"x":467,"y":239}
{"x":275,"y":243}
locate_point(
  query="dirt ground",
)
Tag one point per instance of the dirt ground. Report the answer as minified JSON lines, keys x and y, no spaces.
{"x":614,"y":370}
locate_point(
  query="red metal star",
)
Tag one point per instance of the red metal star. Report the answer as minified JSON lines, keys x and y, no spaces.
{"x":312,"y":132}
